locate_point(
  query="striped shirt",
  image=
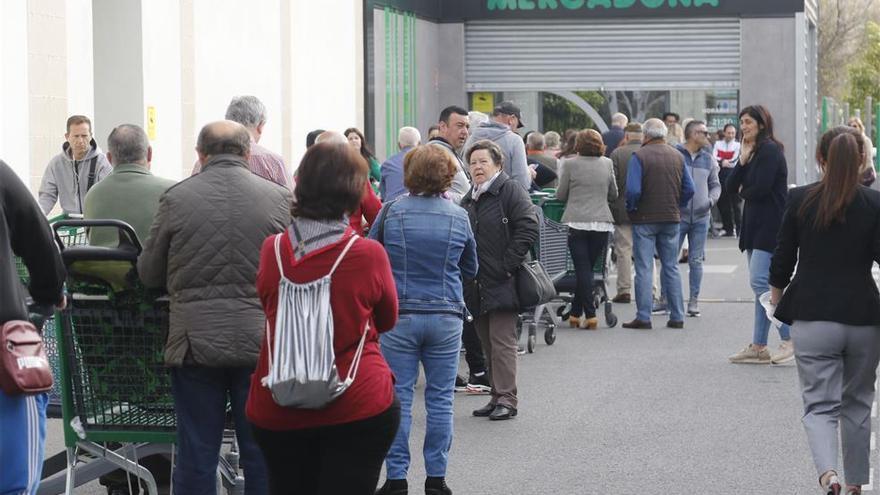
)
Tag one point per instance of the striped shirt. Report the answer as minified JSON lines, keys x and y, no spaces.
{"x":264,"y":163}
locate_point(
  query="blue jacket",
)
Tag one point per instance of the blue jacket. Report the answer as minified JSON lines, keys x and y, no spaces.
{"x":431,"y":247}
{"x":391,"y":185}
{"x":707,"y":187}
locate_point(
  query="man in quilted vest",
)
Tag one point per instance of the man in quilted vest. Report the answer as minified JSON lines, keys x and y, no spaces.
{"x":204,"y":248}
{"x":658,"y":185}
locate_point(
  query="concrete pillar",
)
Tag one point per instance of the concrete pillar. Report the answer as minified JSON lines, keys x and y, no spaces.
{"x":14,"y":102}
{"x":119,"y":65}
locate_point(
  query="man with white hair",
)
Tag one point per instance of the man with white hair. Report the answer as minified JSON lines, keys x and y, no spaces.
{"x":658,"y":185}
{"x":250,"y":112}
{"x":613,"y":136}
{"x":391,"y":185}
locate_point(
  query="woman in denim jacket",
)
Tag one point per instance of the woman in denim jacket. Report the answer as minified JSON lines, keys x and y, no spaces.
{"x":431,"y":247}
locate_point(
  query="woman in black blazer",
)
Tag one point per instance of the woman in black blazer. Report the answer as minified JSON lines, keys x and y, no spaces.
{"x":831,"y":231}
{"x":761,"y":179}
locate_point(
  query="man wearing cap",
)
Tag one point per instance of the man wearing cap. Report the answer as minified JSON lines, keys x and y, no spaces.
{"x":505,"y":117}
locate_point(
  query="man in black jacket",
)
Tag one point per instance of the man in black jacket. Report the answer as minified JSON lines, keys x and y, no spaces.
{"x":24,"y":232}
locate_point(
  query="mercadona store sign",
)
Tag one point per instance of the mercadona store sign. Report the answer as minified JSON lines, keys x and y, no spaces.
{"x":594,"y":4}
{"x":502,"y":9}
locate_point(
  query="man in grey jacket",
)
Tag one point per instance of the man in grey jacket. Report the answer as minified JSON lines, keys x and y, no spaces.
{"x":71,"y":173}
{"x":695,"y":216}
{"x":204,"y":248}
{"x":505,"y":117}
{"x":451,"y":135}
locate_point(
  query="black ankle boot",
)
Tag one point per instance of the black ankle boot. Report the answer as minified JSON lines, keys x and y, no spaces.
{"x":436,"y":486}
{"x":393,"y":487}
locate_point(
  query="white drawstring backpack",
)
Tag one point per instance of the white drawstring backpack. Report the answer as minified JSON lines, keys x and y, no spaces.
{"x":302,"y":364}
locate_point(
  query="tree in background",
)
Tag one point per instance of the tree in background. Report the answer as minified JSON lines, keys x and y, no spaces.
{"x":864,"y":73}
{"x":841,"y":30}
{"x":561,"y":114}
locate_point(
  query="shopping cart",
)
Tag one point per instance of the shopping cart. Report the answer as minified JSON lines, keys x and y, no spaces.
{"x":70,"y":236}
{"x":554,"y":255}
{"x":116,"y":391}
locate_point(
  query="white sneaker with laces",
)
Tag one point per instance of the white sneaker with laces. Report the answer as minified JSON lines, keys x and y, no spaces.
{"x":784,"y":353}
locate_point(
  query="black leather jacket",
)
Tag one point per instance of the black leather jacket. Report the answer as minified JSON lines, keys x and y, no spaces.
{"x":505,"y":225}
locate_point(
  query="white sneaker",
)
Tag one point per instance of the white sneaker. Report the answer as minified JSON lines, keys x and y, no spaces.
{"x":750,"y":355}
{"x":784,"y":353}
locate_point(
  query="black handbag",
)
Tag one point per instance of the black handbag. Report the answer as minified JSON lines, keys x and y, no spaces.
{"x":533,"y":285}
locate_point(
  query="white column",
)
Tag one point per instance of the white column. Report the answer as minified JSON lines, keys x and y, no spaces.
{"x":15,"y":124}
{"x":162,"y":85}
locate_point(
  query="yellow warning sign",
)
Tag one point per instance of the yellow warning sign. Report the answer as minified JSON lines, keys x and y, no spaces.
{"x":483,"y":102}
{"x":151,"y":123}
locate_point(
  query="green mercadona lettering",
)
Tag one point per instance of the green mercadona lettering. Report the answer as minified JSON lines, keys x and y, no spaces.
{"x":593,"y":4}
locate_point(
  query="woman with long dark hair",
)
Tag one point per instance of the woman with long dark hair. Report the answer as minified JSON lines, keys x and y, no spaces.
{"x":356,"y":138}
{"x":834,"y":313}
{"x":761,"y":179}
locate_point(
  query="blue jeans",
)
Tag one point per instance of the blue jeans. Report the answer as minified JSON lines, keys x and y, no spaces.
{"x":759,"y":278}
{"x":435,"y":341}
{"x":22,"y":438}
{"x":696,"y":234}
{"x":200,"y":405}
{"x":662,"y":238}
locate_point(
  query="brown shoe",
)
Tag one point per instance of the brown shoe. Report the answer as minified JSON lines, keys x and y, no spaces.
{"x":574,"y":321}
{"x":638,"y":324}
{"x":674,"y":324}
{"x":622,"y":299}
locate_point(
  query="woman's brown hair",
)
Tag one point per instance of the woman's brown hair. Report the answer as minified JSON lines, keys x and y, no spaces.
{"x":839,"y":184}
{"x":428,"y":169}
{"x":330,"y":182}
{"x":589,"y":143}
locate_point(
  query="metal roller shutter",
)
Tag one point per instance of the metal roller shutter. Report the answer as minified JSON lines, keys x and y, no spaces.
{"x":647,"y":54}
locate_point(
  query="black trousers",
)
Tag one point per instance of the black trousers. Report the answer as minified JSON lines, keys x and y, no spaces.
{"x":329,"y":460}
{"x":729,"y":205}
{"x":586,"y":247}
{"x":473,"y":349}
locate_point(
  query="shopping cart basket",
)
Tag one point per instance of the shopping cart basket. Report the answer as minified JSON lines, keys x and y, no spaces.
{"x":69,"y":236}
{"x":115,"y":387}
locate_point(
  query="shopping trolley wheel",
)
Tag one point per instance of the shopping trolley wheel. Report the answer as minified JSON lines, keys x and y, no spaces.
{"x":532,"y":342}
{"x":611,"y":320}
{"x":550,"y":334}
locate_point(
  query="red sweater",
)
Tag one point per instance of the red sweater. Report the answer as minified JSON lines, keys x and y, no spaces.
{"x":369,"y":208}
{"x":362,"y":289}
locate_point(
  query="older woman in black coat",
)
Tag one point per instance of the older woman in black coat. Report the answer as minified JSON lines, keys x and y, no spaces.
{"x":505,"y":226}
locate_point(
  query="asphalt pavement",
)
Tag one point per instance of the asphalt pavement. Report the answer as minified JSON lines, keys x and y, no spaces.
{"x":618,"y":411}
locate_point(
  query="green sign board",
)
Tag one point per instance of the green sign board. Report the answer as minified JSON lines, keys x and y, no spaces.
{"x":595,"y":4}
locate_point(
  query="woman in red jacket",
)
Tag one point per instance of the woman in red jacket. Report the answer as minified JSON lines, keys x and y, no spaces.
{"x":340,"y":448}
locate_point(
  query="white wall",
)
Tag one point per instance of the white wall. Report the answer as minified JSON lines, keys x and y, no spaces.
{"x":80,"y":69}
{"x":14,"y":115}
{"x":238,"y":52}
{"x":162,"y":83}
{"x":327,"y":64}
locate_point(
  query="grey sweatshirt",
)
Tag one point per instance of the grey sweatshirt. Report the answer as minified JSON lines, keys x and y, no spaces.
{"x":512,"y":147}
{"x":63,"y":184}
{"x":461,"y":183}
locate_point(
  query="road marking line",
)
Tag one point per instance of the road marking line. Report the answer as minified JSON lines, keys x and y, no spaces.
{"x":870,"y":486}
{"x":873,"y":441}
{"x":874,"y":410}
{"x":719,"y":269}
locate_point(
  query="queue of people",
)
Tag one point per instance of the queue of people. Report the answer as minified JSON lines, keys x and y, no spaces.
{"x":417,"y":258}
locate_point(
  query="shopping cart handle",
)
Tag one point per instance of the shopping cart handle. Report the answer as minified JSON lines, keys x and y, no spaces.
{"x":122,"y":227}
